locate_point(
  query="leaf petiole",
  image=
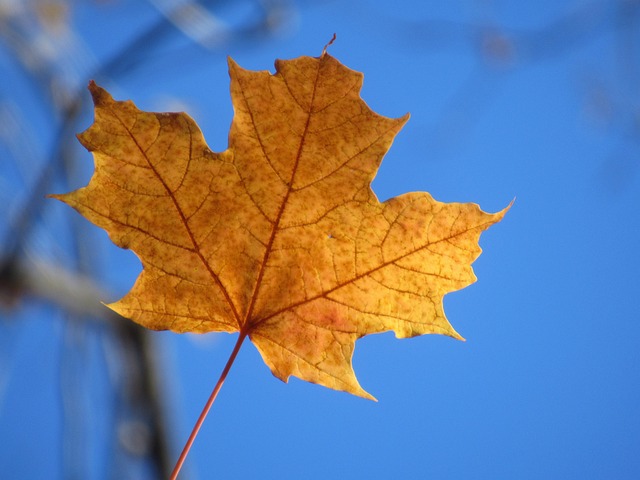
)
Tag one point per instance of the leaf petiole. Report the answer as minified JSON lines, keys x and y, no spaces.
{"x":207,"y":407}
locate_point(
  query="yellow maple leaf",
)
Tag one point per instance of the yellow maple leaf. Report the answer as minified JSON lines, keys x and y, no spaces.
{"x":279,"y":237}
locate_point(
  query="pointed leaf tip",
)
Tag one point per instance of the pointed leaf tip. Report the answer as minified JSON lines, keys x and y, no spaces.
{"x":100,"y":95}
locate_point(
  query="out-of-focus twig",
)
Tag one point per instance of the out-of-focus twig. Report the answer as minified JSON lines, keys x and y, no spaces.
{"x":79,"y":294}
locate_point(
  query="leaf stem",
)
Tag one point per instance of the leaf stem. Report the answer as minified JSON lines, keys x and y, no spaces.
{"x":207,"y":407}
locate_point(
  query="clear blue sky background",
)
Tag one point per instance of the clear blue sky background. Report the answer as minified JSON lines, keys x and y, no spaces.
{"x":506,"y":101}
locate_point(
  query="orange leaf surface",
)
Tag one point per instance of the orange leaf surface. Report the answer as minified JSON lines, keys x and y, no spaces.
{"x":279,"y":237}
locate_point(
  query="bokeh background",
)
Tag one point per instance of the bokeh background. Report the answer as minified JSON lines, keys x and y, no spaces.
{"x":538,"y":101}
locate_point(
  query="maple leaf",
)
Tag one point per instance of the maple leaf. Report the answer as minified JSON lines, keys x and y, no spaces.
{"x":279,"y":237}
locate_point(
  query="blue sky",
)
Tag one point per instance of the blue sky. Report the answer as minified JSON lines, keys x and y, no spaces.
{"x":535,"y":101}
